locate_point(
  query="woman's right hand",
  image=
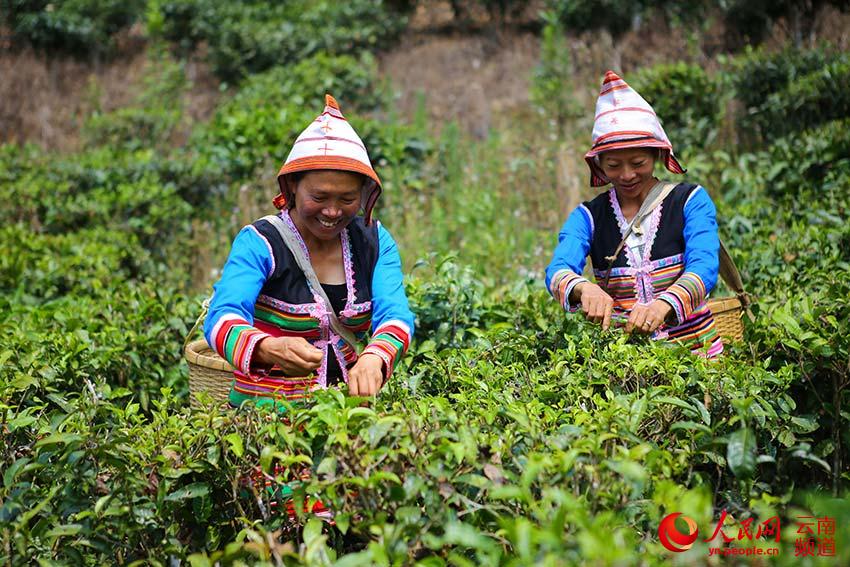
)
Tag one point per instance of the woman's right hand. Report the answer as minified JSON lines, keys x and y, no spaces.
{"x":595,"y":303}
{"x":294,"y":355}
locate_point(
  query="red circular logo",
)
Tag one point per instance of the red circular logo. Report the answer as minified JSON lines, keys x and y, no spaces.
{"x":672,"y":538}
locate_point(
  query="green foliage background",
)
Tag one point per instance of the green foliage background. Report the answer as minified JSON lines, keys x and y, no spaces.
{"x":512,"y":434}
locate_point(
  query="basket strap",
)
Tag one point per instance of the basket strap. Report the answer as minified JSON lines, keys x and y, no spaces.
{"x":205,"y":307}
{"x":292,"y":242}
{"x":730,"y":274}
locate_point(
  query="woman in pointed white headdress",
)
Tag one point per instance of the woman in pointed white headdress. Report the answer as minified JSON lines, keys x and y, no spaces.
{"x":269,"y":320}
{"x":657,"y":282}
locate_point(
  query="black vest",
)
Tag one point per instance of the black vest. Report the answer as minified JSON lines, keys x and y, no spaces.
{"x":669,"y":240}
{"x":288,"y":283}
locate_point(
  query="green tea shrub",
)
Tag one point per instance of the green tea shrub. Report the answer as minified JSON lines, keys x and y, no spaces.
{"x":777,"y":92}
{"x":757,"y":74}
{"x":512,"y":433}
{"x":808,"y":101}
{"x":784,"y":211}
{"x":48,"y":266}
{"x":179,"y":21}
{"x":616,"y":16}
{"x":268,"y":112}
{"x":78,"y":27}
{"x":249,"y":37}
{"x":105,"y":187}
{"x":792,"y":168}
{"x":434,"y":473}
{"x":399,"y":152}
{"x":127,"y":335}
{"x":685,"y":98}
{"x":134,"y":128}
{"x":749,"y":22}
{"x":448,"y":306}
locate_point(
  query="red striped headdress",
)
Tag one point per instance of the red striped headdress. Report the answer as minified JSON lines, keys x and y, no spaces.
{"x":625,"y":120}
{"x":329,"y":142}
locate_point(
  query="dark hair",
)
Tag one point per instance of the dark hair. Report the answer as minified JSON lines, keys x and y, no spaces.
{"x":294,"y":178}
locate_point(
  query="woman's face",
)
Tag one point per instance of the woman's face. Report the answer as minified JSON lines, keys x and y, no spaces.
{"x":326,"y":201}
{"x":630,"y":170}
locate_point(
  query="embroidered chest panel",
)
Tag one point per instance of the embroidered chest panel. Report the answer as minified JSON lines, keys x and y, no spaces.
{"x":608,"y":227}
{"x":288,"y":302}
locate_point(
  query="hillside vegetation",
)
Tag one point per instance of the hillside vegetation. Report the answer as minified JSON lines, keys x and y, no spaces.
{"x":511,"y":433}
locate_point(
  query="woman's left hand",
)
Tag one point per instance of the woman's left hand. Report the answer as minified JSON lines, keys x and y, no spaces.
{"x":367,"y":376}
{"x":646,"y":318}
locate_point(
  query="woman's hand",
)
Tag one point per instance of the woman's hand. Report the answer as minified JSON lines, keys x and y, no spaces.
{"x":367,"y":376}
{"x":595,"y":303}
{"x":646,"y":318}
{"x":294,"y":355}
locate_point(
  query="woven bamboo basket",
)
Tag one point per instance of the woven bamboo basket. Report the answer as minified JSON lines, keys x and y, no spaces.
{"x":208,"y":372}
{"x":728,"y":317}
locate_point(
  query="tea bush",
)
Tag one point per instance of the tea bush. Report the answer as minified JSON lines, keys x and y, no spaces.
{"x":269,"y":111}
{"x":758,"y":73}
{"x":614,"y":16}
{"x":511,"y":433}
{"x":78,"y":27}
{"x":249,"y":37}
{"x":774,"y":91}
{"x":515,"y":445}
{"x":814,"y":98}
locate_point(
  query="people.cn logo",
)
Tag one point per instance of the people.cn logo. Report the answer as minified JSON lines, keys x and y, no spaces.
{"x":672,"y":538}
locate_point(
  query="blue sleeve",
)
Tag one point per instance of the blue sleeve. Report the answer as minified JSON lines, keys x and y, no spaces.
{"x":389,"y":301}
{"x":702,"y":244}
{"x":565,"y":269}
{"x":247,"y":267}
{"x":392,"y":320}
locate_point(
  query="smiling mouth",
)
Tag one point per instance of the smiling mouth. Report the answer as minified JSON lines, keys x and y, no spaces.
{"x":328,"y":224}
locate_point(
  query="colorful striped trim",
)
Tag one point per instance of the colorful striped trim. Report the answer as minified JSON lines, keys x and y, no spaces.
{"x":623,"y":135}
{"x":234,"y":340}
{"x":296,"y":324}
{"x":329,"y":162}
{"x":330,"y":113}
{"x":389,"y":342}
{"x":698,"y":333}
{"x":562,"y":284}
{"x":257,"y":387}
{"x":685,"y":296}
{"x":280,"y":305}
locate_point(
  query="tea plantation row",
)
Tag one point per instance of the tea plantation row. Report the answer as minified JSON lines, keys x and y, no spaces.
{"x":510,"y":435}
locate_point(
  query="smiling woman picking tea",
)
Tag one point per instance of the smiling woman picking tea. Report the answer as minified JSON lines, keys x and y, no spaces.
{"x":301,"y":289}
{"x":653,"y":245}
